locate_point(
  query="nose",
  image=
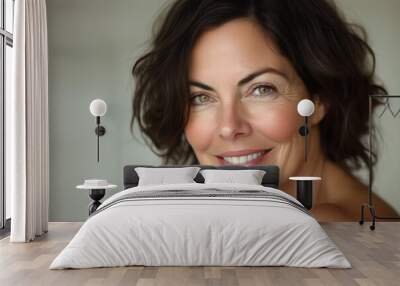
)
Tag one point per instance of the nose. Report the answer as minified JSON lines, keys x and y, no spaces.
{"x":233,"y":122}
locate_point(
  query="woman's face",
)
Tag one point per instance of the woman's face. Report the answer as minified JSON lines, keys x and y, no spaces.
{"x":244,"y":97}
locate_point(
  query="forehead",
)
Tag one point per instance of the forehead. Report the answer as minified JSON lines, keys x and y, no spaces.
{"x":233,"y":49}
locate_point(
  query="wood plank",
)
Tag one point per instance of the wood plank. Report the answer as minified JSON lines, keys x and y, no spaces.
{"x":374,"y":255}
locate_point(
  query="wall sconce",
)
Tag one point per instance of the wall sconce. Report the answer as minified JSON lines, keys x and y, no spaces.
{"x":98,"y":108}
{"x":305,"y":184}
{"x":305,"y":108}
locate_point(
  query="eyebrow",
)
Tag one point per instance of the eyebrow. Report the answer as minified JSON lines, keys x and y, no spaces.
{"x":244,"y":80}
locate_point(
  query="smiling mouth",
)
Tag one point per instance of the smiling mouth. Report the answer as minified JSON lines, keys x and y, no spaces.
{"x":248,"y":159}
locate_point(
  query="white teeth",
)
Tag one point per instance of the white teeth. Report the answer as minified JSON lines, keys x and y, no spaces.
{"x":235,"y":160}
{"x":243,"y":159}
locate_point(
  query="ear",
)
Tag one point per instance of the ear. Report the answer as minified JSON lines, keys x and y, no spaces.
{"x":319,"y":112}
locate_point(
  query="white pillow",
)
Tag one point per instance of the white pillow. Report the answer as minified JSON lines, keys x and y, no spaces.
{"x":248,"y":177}
{"x":162,"y":176}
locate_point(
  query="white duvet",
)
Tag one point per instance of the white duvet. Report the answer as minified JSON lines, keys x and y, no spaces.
{"x":200,"y":231}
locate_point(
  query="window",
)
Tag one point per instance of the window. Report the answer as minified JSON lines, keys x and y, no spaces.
{"x":6,"y":46}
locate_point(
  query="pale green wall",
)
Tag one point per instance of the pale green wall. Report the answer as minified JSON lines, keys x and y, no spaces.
{"x":92,"y":45}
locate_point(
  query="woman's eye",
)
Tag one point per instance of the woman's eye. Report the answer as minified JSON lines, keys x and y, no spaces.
{"x":264,"y":90}
{"x":199,"y":99}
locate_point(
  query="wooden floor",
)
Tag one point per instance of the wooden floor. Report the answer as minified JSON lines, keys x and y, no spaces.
{"x":374,"y":255}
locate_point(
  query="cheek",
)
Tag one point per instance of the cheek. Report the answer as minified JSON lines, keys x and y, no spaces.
{"x":200,"y":130}
{"x":278,"y":124}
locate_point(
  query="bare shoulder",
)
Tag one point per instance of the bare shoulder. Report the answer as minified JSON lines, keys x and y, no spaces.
{"x":344,"y":195}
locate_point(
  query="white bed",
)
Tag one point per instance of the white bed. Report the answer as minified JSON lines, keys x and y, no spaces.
{"x":183,"y":230}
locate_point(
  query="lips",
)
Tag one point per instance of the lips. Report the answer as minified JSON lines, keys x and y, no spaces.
{"x":243,"y":157}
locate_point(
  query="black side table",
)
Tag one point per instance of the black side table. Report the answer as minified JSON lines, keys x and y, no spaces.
{"x":305,"y":190}
{"x":97,"y":190}
{"x":96,"y":195}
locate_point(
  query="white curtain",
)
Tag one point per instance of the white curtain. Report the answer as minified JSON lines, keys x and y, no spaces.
{"x":27,"y":156}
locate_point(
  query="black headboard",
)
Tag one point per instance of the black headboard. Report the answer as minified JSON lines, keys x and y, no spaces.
{"x":270,"y":179}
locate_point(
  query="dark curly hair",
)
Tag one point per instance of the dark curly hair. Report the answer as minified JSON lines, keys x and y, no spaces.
{"x":331,"y":56}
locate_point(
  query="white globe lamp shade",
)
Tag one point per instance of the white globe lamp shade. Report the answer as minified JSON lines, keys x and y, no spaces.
{"x":98,"y":107}
{"x":305,"y":107}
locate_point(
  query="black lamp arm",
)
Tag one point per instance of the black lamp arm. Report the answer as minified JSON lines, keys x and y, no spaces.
{"x":98,"y":145}
{"x":306,"y":139}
